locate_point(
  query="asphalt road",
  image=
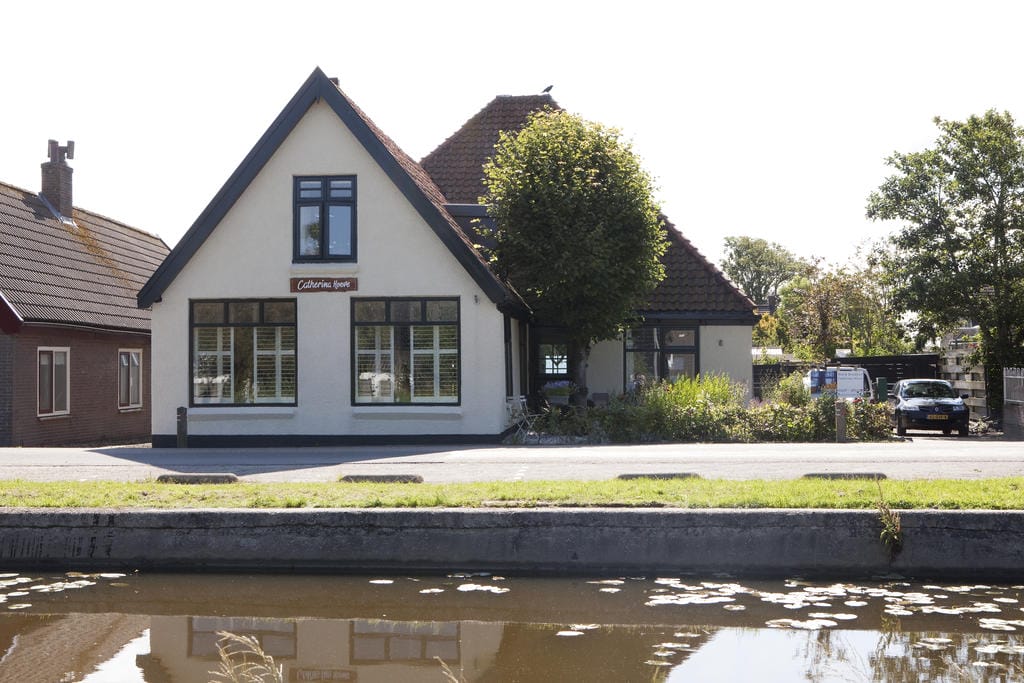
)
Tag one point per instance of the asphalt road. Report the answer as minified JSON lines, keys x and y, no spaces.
{"x":920,"y":457}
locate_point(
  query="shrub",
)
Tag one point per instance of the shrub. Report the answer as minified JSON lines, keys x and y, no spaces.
{"x":868,"y":421}
{"x":710,"y":408}
{"x":789,"y":390}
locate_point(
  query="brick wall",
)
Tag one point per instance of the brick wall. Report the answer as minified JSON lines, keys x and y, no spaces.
{"x":7,"y":344}
{"x":94,"y":416}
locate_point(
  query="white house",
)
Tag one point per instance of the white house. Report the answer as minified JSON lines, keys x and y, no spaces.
{"x":328,"y":295}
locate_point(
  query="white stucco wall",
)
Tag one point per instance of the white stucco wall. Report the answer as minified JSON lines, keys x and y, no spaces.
{"x":726,"y":349}
{"x":249,"y":255}
{"x":605,"y":369}
{"x":721,"y":348}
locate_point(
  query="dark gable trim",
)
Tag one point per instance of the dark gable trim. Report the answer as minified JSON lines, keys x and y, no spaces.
{"x":319,"y":86}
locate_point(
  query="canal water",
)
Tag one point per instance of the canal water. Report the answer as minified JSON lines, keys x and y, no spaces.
{"x":125,"y":628}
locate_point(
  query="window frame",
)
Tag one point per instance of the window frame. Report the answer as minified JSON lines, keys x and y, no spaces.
{"x":436,"y":352}
{"x":323,"y":203}
{"x":659,"y":347}
{"x":52,"y":351}
{"x":126,"y":405}
{"x":207,"y":402}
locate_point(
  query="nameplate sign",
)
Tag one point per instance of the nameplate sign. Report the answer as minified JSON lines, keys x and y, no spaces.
{"x":324,"y":284}
{"x":299,"y":675}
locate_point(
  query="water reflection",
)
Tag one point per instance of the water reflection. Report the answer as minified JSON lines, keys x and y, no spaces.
{"x":164,"y":629}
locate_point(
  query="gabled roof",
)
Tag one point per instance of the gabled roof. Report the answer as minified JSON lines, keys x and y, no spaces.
{"x":456,"y":165}
{"x":693,"y":287}
{"x":84,"y":273}
{"x":414,"y":183}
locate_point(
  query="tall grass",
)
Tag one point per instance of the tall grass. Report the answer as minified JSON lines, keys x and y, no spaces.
{"x":242,"y":660}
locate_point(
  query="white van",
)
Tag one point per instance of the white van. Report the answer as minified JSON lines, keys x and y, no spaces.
{"x":845,"y":381}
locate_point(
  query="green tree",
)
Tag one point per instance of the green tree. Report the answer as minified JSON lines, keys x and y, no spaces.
{"x":577,"y":230}
{"x":760,"y":267}
{"x":959,"y":256}
{"x":841,"y":308}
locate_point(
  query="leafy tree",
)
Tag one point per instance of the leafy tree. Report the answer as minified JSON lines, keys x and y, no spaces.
{"x":760,"y":267}
{"x":577,"y":229}
{"x":959,"y":256}
{"x":846,"y":307}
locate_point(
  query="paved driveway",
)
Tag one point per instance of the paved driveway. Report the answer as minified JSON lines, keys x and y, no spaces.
{"x":921,"y":457}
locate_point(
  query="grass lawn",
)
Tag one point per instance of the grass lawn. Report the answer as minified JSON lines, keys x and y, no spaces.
{"x":984,"y":494}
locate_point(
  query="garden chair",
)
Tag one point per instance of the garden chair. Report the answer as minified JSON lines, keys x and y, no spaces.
{"x":520,"y":418}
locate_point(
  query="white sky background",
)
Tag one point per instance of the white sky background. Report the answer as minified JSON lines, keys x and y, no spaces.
{"x":768,"y":119}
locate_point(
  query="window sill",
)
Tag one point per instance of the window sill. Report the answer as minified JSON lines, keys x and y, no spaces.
{"x":53,"y":416}
{"x":130,"y":409}
{"x":201,"y":413}
{"x":406,"y":412}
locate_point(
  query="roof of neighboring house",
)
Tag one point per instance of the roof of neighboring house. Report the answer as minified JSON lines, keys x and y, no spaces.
{"x":457,"y":162}
{"x":693,"y":286}
{"x":84,"y":273}
{"x":414,"y":183}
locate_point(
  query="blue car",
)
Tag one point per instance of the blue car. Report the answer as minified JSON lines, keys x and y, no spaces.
{"x":928,"y":404}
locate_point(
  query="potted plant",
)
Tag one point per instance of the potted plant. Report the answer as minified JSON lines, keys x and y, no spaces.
{"x":558,"y":391}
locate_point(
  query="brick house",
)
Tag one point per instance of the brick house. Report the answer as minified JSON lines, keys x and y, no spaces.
{"x":331,"y":293}
{"x":74,"y":349}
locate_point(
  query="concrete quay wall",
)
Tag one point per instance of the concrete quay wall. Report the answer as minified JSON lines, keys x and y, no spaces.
{"x":764,"y":543}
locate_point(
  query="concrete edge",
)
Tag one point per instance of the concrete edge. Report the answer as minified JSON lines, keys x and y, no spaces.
{"x":527,"y":541}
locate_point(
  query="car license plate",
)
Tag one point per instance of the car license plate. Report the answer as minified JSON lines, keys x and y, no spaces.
{"x":938,"y":416}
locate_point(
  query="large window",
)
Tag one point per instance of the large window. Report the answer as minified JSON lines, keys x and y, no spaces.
{"x":406,"y":350}
{"x":243,"y":352}
{"x":325,"y":218}
{"x":654,"y":353}
{"x":129,"y":378}
{"x":54,"y":392}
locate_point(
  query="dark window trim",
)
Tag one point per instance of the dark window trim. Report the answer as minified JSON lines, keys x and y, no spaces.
{"x":192,"y":324}
{"x":323,"y":203}
{"x":387,"y":321}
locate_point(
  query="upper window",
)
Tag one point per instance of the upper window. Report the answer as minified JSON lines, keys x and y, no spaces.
{"x":129,"y":378}
{"x":243,"y":352}
{"x":325,"y":218}
{"x":406,"y":350}
{"x":54,"y":391}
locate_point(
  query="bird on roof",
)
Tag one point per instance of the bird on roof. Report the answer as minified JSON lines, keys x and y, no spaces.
{"x":546,"y":90}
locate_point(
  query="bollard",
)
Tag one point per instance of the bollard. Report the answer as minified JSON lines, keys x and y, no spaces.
{"x":182,"y":427}
{"x":840,"y":421}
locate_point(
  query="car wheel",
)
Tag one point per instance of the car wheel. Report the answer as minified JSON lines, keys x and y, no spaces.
{"x":963,"y":431}
{"x":901,"y":426}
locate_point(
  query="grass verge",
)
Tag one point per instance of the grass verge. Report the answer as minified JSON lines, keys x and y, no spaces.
{"x":983,"y":494}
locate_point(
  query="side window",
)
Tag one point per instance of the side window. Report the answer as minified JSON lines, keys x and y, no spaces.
{"x":324,"y":218}
{"x":53,"y":389}
{"x":129,"y":379}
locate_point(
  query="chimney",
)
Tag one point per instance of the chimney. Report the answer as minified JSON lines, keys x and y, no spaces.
{"x":57,"y":177}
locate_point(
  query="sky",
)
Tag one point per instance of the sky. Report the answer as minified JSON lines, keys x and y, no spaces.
{"x":764,"y":119}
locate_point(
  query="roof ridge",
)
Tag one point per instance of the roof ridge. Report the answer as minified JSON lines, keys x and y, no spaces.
{"x":94,"y":214}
